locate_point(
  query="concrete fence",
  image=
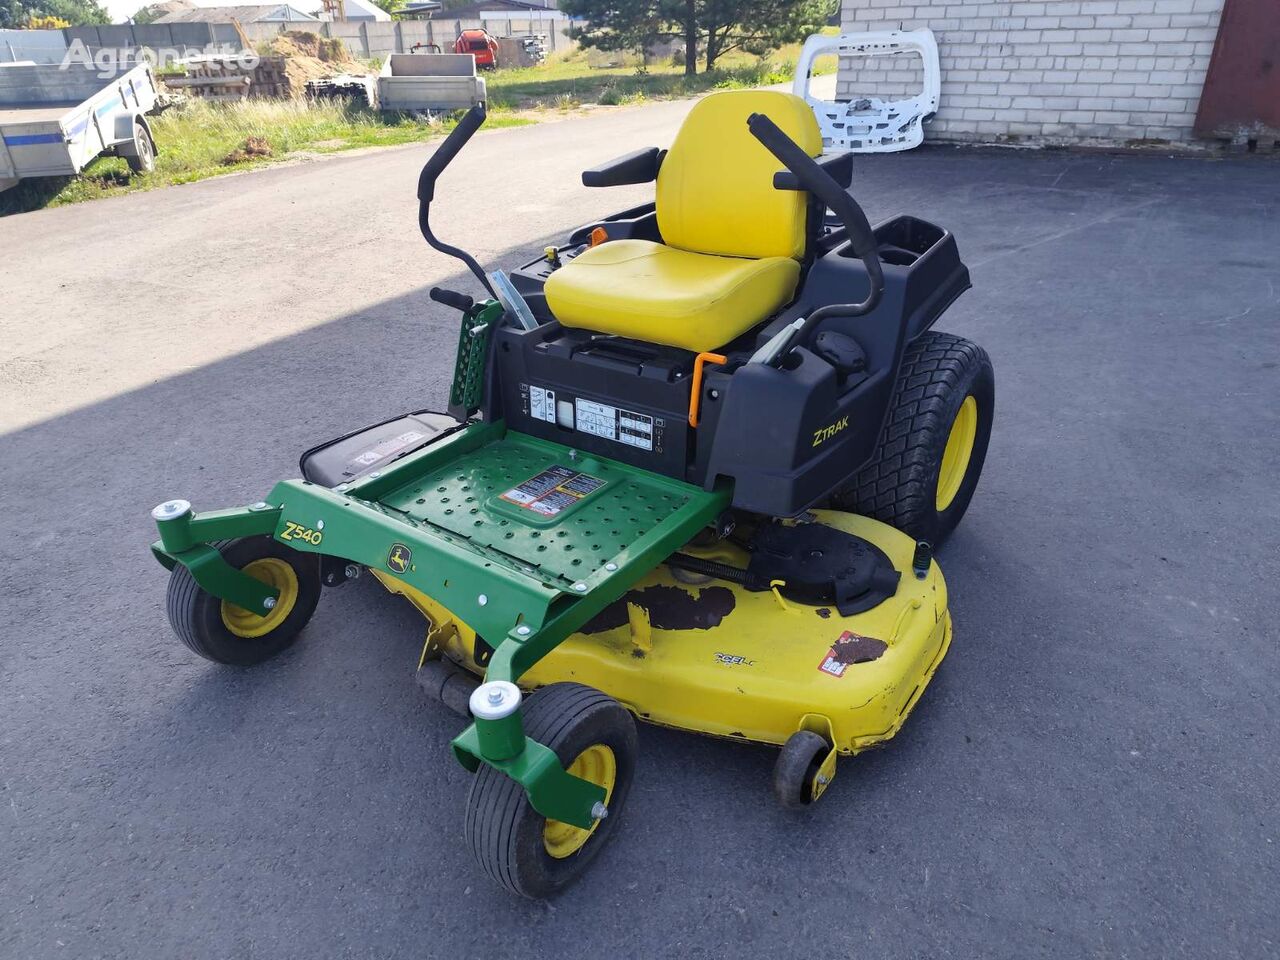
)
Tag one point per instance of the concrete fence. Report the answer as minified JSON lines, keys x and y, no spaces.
{"x":368,"y":40}
{"x":364,"y":40}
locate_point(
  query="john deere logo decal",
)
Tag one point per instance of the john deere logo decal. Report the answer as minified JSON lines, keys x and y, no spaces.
{"x":398,"y":558}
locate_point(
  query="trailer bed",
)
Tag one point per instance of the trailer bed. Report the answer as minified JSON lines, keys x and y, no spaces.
{"x":55,"y":119}
{"x":40,"y":114}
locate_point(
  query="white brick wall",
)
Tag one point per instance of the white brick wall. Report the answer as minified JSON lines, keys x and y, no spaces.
{"x":1047,"y":71}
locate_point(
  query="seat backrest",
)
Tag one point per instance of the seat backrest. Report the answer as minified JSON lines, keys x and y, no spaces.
{"x":715,"y":187}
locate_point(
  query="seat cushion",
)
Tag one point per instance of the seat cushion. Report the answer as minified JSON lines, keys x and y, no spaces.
{"x":715,"y":187}
{"x":651,"y":292}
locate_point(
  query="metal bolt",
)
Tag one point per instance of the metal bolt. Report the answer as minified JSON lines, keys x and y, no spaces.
{"x":573,"y":454}
{"x":580,"y":587}
{"x":375,"y":475}
{"x":352,"y":571}
{"x":599,"y":811}
{"x":269,"y":603}
{"x":523,"y":630}
{"x":343,"y":486}
{"x":494,"y":700}
{"x":482,"y":600}
{"x":260,"y":505}
{"x":319,"y":524}
{"x":611,"y":566}
{"x":823,"y":779}
{"x":170,"y":509}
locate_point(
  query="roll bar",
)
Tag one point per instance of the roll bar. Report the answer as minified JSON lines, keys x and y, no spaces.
{"x":431,"y":171}
{"x":813,"y":178}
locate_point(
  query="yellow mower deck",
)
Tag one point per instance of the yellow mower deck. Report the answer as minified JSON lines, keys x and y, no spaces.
{"x":715,"y":658}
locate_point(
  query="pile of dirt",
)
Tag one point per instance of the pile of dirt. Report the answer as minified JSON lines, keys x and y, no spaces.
{"x":300,"y":43}
{"x":302,"y":56}
{"x":253,"y":148}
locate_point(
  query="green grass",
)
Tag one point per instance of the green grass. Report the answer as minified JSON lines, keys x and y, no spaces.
{"x":569,"y":81}
{"x":196,"y":139}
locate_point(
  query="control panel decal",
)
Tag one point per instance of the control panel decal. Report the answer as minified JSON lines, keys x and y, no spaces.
{"x":614,"y":423}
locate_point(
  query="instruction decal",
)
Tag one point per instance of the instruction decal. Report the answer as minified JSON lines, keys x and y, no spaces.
{"x":851,"y":648}
{"x":384,"y":450}
{"x":553,"y":491}
{"x":542,"y":404}
{"x":614,"y":423}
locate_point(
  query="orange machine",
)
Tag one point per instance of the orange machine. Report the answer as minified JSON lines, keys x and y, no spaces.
{"x":481,"y":45}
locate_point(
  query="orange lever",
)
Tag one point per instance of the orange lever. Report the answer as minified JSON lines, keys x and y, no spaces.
{"x":695,"y":390}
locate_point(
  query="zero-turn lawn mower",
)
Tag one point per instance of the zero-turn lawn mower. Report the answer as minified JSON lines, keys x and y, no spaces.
{"x":693,"y":468}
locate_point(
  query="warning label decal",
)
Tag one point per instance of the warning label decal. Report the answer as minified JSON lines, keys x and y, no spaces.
{"x":553,"y":490}
{"x":850,"y":648}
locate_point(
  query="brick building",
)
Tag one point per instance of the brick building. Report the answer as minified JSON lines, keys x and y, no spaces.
{"x":1047,"y":71}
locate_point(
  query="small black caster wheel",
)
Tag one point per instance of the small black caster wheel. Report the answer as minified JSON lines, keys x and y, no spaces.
{"x":796,"y":774}
{"x":225,"y":633}
{"x":595,"y":738}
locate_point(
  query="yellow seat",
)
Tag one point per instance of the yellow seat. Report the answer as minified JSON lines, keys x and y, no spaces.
{"x":732,"y":243}
{"x":648,"y":291}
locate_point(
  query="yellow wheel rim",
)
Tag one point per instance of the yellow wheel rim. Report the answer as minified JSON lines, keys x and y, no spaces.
{"x":597,"y":764}
{"x":274,"y":573}
{"x":955,"y":458}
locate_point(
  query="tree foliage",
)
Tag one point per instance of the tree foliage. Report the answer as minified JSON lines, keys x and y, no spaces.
{"x":713,"y":26}
{"x":21,"y":14}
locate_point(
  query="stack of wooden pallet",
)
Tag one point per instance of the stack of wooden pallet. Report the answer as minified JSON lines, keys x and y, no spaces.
{"x":213,"y":78}
{"x":231,"y":78}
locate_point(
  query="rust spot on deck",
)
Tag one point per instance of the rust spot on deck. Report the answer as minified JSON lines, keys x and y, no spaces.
{"x":852,"y":648}
{"x":669,"y":608}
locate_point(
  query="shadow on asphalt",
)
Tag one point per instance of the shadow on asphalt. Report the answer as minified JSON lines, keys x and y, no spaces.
{"x":1083,"y":776}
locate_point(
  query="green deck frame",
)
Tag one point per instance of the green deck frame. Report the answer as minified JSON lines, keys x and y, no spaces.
{"x":437,"y":520}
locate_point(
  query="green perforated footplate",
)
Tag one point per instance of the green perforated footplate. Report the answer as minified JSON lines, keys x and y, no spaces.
{"x":540,"y":507}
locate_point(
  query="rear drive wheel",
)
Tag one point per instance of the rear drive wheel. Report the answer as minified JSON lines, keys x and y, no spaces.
{"x":595,"y":738}
{"x":224,"y":633}
{"x":930,"y":455}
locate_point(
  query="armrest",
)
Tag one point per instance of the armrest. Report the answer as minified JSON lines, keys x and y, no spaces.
{"x":639,"y":167}
{"x":838,"y":166}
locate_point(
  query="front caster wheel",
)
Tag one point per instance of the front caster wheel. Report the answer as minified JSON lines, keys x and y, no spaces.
{"x":221,"y":631}
{"x":595,"y":739}
{"x":799,"y":765}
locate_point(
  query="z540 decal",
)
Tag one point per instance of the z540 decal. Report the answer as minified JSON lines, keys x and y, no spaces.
{"x":296,"y":531}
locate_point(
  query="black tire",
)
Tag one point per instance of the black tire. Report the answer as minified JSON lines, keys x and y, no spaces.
{"x":197,"y":616}
{"x":145,"y":159}
{"x":899,"y":485}
{"x":506,"y":834}
{"x":796,"y":767}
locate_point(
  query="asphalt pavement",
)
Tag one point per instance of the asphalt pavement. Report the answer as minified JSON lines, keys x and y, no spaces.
{"x":1092,"y":773}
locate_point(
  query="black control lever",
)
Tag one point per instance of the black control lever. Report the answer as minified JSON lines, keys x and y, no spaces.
{"x":818,"y":182}
{"x":451,"y":298}
{"x":431,"y":171}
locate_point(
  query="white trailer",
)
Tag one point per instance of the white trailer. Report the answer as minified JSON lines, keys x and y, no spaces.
{"x":429,"y":81}
{"x":55,"y":119}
